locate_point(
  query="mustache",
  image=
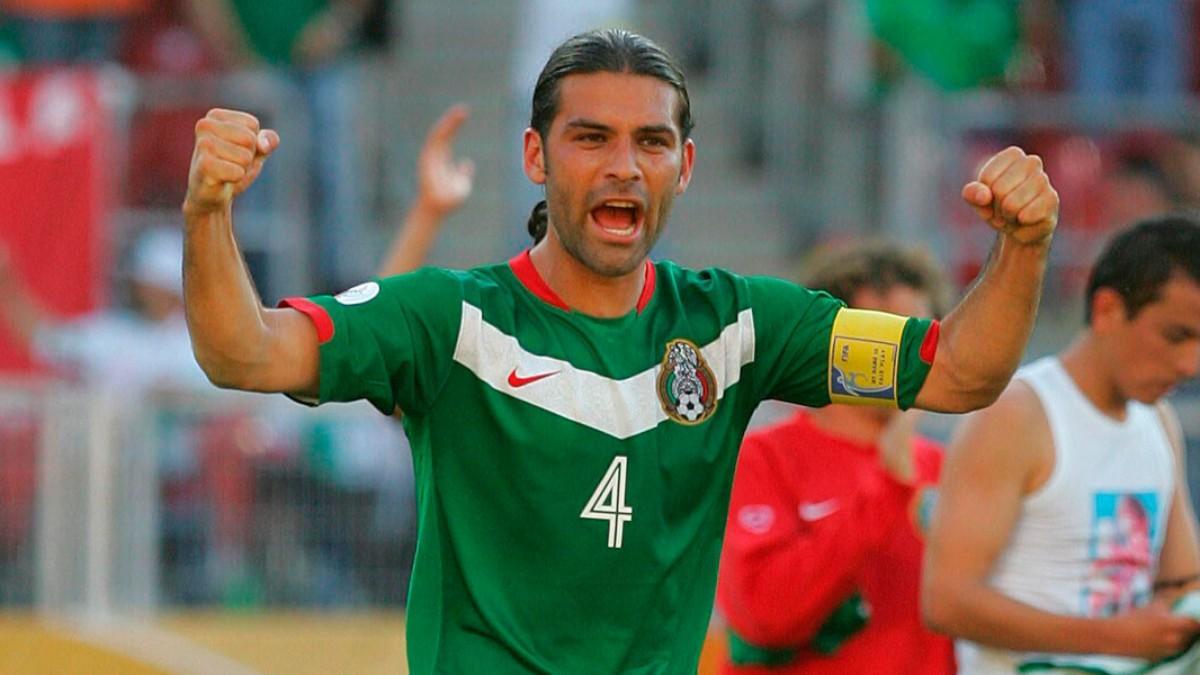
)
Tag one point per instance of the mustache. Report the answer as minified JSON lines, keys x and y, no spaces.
{"x":630,"y":190}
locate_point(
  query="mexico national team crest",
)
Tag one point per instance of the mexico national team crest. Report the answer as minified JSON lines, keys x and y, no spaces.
{"x":687,"y":388}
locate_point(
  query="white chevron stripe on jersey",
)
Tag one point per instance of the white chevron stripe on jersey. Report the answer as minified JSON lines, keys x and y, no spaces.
{"x":619,"y":408}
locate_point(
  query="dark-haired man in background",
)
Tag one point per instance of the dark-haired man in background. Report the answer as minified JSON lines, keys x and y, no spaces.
{"x":1064,"y":524}
{"x":575,"y":413}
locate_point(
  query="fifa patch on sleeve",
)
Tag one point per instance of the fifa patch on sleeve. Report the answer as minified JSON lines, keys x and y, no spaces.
{"x":864,"y":355}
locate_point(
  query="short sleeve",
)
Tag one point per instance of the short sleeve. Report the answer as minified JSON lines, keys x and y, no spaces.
{"x":389,"y":341}
{"x":792,"y":326}
{"x":812,"y":350}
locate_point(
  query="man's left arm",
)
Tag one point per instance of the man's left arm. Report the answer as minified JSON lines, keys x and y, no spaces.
{"x":981,"y":341}
{"x":1179,"y":561}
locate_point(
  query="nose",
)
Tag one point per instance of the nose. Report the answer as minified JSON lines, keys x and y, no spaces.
{"x":623,"y":163}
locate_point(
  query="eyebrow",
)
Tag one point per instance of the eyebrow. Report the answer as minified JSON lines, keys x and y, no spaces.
{"x":584,"y":123}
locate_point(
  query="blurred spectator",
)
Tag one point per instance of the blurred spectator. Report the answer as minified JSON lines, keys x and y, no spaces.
{"x":1135,"y":189}
{"x":822,"y":556}
{"x":1127,"y":47}
{"x":9,"y":53}
{"x":443,"y":185}
{"x":139,"y":349}
{"x":69,"y":31}
{"x":958,"y":44}
{"x":1181,"y":161}
{"x":162,"y":46}
{"x":313,"y":45}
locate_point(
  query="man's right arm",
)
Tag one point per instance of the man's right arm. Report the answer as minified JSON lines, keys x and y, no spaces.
{"x":998,"y":457}
{"x":238,"y":343}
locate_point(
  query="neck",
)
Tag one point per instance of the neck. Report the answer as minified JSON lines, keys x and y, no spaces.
{"x":858,"y":425}
{"x":1084,"y":362}
{"x":581,"y":288}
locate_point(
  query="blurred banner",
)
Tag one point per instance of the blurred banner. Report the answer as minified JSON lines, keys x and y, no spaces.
{"x":54,"y":192}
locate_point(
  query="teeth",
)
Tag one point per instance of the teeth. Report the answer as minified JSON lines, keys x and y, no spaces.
{"x":622,"y":232}
{"x":619,"y":204}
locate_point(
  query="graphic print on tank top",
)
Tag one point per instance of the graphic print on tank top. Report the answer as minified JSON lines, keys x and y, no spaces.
{"x":1123,"y":532}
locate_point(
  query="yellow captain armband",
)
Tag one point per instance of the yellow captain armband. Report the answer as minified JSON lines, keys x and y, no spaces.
{"x":864,"y":356}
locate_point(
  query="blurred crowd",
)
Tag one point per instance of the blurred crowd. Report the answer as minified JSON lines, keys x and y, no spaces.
{"x":1124,"y":69}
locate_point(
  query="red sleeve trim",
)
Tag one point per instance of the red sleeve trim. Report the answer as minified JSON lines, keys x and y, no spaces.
{"x":320,"y":318}
{"x":930,"y":344}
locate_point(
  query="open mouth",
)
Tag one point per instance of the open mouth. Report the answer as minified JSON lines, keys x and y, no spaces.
{"x":620,"y":218}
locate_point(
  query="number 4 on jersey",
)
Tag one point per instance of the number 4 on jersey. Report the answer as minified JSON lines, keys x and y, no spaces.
{"x":608,"y":502}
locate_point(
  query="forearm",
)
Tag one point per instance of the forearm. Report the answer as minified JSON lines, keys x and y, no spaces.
{"x":982,"y":340}
{"x":224,"y":314}
{"x":411,"y":247}
{"x":975,"y":612}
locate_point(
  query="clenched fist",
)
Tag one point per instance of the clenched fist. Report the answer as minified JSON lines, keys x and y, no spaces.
{"x":229,"y":155}
{"x":1013,"y":194}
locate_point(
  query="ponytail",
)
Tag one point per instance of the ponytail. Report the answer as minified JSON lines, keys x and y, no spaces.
{"x":538,"y":222}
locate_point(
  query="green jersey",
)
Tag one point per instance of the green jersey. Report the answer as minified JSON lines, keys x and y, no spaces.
{"x":573,"y":473}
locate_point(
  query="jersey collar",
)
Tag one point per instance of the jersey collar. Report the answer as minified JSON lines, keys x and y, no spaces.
{"x":527,"y":274}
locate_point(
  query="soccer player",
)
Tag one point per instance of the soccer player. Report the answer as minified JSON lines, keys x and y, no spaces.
{"x":1064,"y":523}
{"x":576,"y":411}
{"x":822,"y":560}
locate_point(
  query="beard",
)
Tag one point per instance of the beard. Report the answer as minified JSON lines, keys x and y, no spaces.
{"x":603,"y":259}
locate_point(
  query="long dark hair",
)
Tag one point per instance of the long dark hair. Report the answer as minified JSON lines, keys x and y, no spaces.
{"x":601,"y":51}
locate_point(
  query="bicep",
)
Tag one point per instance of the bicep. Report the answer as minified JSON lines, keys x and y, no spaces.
{"x":293,"y":358}
{"x":1181,"y":548}
{"x":983,"y":483}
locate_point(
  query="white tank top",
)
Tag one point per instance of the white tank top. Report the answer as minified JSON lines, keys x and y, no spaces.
{"x":1087,"y":542}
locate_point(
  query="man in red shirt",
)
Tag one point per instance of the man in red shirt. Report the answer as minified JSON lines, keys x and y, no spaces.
{"x":821,"y":566}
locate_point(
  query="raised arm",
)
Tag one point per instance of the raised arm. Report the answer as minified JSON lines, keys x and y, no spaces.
{"x":998,"y":456}
{"x":982,"y":339}
{"x":443,"y":184}
{"x":237,"y":342}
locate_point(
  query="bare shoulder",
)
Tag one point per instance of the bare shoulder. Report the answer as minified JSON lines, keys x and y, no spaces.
{"x":1010,"y":437}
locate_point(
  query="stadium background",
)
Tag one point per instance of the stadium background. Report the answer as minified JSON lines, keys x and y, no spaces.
{"x":189,"y":530}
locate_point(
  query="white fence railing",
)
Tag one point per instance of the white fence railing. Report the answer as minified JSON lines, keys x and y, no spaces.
{"x":110,"y":505}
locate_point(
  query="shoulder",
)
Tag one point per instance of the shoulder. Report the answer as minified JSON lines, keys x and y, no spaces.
{"x":1173,"y":428}
{"x":1012,"y":437}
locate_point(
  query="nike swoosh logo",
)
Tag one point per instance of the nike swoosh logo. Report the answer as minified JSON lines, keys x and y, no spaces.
{"x":516,"y":381}
{"x":814,"y":511}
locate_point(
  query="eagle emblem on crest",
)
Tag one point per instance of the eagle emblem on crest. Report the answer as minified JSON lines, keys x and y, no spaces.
{"x":687,"y":388}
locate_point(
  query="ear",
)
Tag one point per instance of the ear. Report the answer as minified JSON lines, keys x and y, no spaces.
{"x":534,"y":157}
{"x":685,"y":167}
{"x":1108,"y":310}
